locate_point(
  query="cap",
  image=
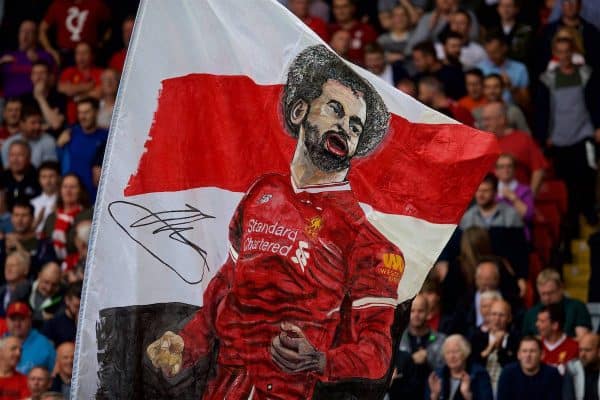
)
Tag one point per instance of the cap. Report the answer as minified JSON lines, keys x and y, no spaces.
{"x":18,"y":308}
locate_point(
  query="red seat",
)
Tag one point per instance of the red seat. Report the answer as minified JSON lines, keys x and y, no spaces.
{"x":548,"y":215}
{"x":535,"y":266}
{"x":555,"y":192}
{"x":542,"y":240}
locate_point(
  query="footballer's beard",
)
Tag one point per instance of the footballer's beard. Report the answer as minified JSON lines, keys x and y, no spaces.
{"x":328,"y":152}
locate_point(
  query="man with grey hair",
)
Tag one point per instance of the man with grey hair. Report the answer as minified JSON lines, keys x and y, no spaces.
{"x":46,"y":295}
{"x":38,"y":382}
{"x":13,"y":385}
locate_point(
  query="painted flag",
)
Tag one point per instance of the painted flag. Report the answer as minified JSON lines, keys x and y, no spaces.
{"x":264,"y":207}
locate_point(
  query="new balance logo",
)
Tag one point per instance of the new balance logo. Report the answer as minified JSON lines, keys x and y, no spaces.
{"x":393,"y":261}
{"x":302,"y":255}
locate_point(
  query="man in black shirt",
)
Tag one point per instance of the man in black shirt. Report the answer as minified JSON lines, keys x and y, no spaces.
{"x":582,"y":380}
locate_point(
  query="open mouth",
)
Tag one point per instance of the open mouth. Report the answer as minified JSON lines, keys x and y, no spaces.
{"x":336,"y":144}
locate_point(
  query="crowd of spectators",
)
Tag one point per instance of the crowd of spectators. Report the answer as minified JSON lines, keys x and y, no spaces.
{"x":492,"y":320}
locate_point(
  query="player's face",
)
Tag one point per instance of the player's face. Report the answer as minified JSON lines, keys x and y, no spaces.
{"x":333,"y":126}
{"x":529,"y":356}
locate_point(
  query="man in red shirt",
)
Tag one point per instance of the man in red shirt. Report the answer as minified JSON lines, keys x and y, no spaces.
{"x":13,"y":385}
{"x":117,"y":61}
{"x":530,"y":162}
{"x":431,"y":92}
{"x":11,"y":115}
{"x":558,"y":348}
{"x":474,"y":85}
{"x":361,"y":33}
{"x":301,"y":9}
{"x":74,"y":21}
{"x":81,"y":81}
{"x":308,"y":292}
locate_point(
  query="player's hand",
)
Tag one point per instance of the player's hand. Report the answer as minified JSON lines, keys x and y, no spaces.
{"x":166,"y":353}
{"x":292,"y":352}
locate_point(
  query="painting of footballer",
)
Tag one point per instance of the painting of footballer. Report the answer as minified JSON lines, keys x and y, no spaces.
{"x":308,"y":294}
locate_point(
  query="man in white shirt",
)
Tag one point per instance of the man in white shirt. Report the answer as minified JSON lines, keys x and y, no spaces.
{"x":44,"y":204}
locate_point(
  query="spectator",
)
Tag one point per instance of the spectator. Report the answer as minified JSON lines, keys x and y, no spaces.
{"x":340,"y":43}
{"x":16,"y":65}
{"x":558,"y":348}
{"x":38,"y":382}
{"x":513,"y":193}
{"x":568,"y":121}
{"x":46,"y":298}
{"x":492,"y":92}
{"x":52,"y":396}
{"x":426,"y":63}
{"x":513,"y":73}
{"x":117,"y":61}
{"x":13,"y":385}
{"x":551,"y":291}
{"x":471,"y":53}
{"x":79,"y":145}
{"x":423,"y":344}
{"x":11,"y":118}
{"x":518,"y":35}
{"x":433,"y":23}
{"x":498,"y":346}
{"x":20,"y":179}
{"x":361,"y":33}
{"x":431,"y":93}
{"x":487,"y":284}
{"x":45,"y":203}
{"x":530,"y":162}
{"x":36,"y":349}
{"x":300,"y":8}
{"x":72,"y":206}
{"x":64,"y":367}
{"x":108,"y":96}
{"x":74,"y":264}
{"x":582,"y":379}
{"x":458,"y":379}
{"x":74,"y":21}
{"x":432,"y":292}
{"x":17,"y":287}
{"x":408,"y":87}
{"x":449,"y":49}
{"x":80,"y":81}
{"x":394,"y":42}
{"x":41,"y":144}
{"x":529,"y":378}
{"x":569,"y":33}
{"x":375,"y":63}
{"x":46,"y":97}
{"x":63,"y":326}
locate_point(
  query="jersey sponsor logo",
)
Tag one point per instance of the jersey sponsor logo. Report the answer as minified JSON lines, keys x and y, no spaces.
{"x":255,"y":226}
{"x":393,"y":267}
{"x":314,"y":225}
{"x":75,"y":22}
{"x":302,"y":256}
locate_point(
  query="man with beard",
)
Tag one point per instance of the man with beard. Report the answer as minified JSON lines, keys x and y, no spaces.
{"x":432,"y":93}
{"x":308,"y":292}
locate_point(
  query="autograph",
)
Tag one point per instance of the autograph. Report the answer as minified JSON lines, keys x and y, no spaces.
{"x":175,"y":222}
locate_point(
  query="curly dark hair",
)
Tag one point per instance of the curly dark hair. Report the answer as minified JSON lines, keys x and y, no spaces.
{"x":306,"y":76}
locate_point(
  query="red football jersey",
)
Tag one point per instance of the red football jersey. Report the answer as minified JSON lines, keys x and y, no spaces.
{"x":361,"y":35}
{"x":528,"y":155}
{"x":14,"y":387}
{"x":560,"y":353}
{"x":74,"y":75}
{"x":295,"y":254}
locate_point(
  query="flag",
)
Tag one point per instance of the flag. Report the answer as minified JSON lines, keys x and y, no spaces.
{"x":223,"y":183}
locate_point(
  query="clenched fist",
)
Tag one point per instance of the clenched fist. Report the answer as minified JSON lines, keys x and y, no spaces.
{"x":166,"y":353}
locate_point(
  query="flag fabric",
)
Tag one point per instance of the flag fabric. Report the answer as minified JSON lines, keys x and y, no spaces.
{"x":203,"y":133}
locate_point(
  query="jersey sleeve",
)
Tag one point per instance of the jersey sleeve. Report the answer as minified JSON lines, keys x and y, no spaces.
{"x":376,"y":267}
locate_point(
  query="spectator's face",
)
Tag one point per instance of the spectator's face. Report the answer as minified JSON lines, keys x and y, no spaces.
{"x":459,"y":23}
{"x":485,"y":306}
{"x":72,"y":305}
{"x":38,"y":381}
{"x":422,"y":61}
{"x":452,"y":48}
{"x":12,"y":113}
{"x":445,"y":6}
{"x":13,"y":269}
{"x":407,"y":87}
{"x":340,"y":42}
{"x":507,"y":10}
{"x":454,"y":356}
{"x":486,"y":277}
{"x":529,"y":356}
{"x":27,"y":35}
{"x":571,"y":8}
{"x":400,"y":19}
{"x":375,"y":62}
{"x":49,"y":281}
{"x":426,"y":93}
{"x":22,"y":219}
{"x":343,"y":11}
{"x":433,"y":300}
{"x":127,"y":32}
{"x":49,"y":180}
{"x":10,"y":353}
{"x":299,"y":8}
{"x":69,"y":191}
{"x":550,"y":292}
{"x":18,"y":158}
{"x":474,"y":86}
{"x":19,"y":326}
{"x":496,"y":51}
{"x":485,"y":196}
{"x":109,"y":82}
{"x":31,"y":127}
{"x":492,"y":89}
{"x":86,"y":115}
{"x":418,"y":312}
{"x":544,"y":324}
{"x":333,"y":125}
{"x":505,"y":169}
{"x":563,"y":53}
{"x":493,"y":119}
{"x":40,"y":74}
{"x":589,"y":350}
{"x":83,"y":56}
{"x":500,"y":315}
{"x":64,"y":358}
